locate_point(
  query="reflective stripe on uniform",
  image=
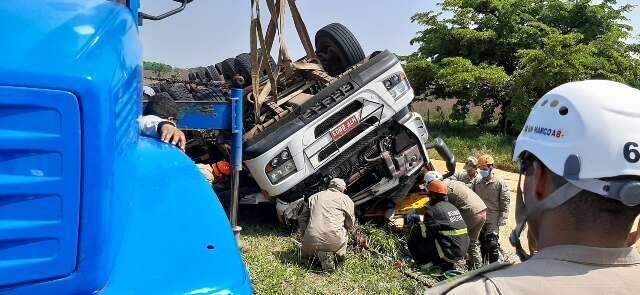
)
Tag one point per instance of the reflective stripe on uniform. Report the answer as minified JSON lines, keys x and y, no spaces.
{"x":455,"y":232}
{"x":441,"y":254}
{"x":423,"y":230}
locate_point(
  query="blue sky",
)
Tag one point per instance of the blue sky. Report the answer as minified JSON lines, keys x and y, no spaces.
{"x":209,"y":31}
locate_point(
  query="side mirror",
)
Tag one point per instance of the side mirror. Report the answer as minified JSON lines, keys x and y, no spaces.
{"x":166,"y":14}
{"x":443,"y":150}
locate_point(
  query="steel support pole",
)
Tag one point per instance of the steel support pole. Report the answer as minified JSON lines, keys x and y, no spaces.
{"x":237,"y":95}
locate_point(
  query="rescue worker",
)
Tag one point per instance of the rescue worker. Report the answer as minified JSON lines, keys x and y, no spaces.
{"x":216,"y":172}
{"x":159,"y":120}
{"x":495,"y":193}
{"x":473,"y":210}
{"x":579,"y":155}
{"x":327,"y":219}
{"x":441,"y":238}
{"x":470,"y":173}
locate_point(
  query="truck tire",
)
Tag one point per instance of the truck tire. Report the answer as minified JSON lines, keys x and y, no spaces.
{"x":228,"y":68}
{"x":218,"y":67}
{"x":210,"y":94}
{"x":179,"y":92}
{"x":201,"y":74}
{"x":192,"y":76}
{"x":337,"y":48}
{"x":213,"y":73}
{"x":243,"y":67}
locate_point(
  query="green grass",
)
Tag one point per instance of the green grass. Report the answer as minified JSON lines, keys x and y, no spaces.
{"x":275,"y":269}
{"x":471,"y":140}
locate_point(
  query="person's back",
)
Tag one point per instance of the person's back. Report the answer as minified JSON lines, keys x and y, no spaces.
{"x":329,"y":211}
{"x":442,"y":237}
{"x":326,"y":220}
{"x":447,"y":224}
{"x":565,"y":269}
{"x":465,"y":199}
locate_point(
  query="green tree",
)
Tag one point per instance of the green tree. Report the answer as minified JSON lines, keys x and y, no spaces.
{"x":159,"y":69}
{"x":504,"y":54}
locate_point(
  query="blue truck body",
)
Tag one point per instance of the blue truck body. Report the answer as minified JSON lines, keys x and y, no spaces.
{"x":87,"y":205}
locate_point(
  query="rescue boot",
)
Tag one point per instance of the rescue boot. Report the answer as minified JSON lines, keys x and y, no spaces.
{"x":339,"y":260}
{"x":324,"y":261}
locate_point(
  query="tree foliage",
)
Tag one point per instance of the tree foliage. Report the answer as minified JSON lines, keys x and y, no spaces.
{"x":504,"y":54}
{"x":159,"y":69}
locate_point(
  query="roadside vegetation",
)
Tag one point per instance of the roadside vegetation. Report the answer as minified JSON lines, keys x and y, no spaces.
{"x":503,"y":55}
{"x":275,"y":268}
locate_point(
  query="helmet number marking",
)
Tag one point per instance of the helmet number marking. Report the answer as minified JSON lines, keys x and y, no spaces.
{"x":631,"y":152}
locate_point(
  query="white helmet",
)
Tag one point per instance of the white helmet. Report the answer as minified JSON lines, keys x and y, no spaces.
{"x":584,"y":131}
{"x":431,"y":176}
{"x":148,"y":91}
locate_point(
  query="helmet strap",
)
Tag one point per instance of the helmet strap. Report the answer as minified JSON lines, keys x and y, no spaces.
{"x":528,"y":212}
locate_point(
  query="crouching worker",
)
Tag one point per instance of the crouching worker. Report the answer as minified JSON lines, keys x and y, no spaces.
{"x":326,"y":221}
{"x":216,"y":172}
{"x":439,"y":239}
{"x":473,"y":210}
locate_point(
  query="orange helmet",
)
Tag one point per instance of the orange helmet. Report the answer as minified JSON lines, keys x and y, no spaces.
{"x":221,"y":168}
{"x":438,"y":187}
{"x":485,"y":160}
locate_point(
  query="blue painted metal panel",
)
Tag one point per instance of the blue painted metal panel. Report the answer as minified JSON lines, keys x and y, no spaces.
{"x":204,"y":115}
{"x":39,"y":184}
{"x":91,"y":48}
{"x":177,"y":237}
{"x":237,"y":127}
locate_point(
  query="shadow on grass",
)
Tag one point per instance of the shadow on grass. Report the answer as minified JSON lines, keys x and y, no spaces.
{"x":261,"y":230}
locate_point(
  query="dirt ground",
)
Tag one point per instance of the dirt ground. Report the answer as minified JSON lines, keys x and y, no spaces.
{"x":505,"y":231}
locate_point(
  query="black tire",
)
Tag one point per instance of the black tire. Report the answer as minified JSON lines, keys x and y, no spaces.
{"x":243,"y":67}
{"x":212,"y":94}
{"x":156,"y":88}
{"x":213,"y":73}
{"x":192,"y":76}
{"x":201,"y":74}
{"x":180,"y":92}
{"x":228,"y":68}
{"x":218,"y":67}
{"x":337,"y":48}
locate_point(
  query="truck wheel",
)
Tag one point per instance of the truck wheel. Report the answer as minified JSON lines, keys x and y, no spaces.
{"x":179,"y":92}
{"x":228,"y":68}
{"x":212,"y":94}
{"x":213,"y":73}
{"x":192,"y":76}
{"x":337,"y":48}
{"x":243,"y":67}
{"x":218,"y":67}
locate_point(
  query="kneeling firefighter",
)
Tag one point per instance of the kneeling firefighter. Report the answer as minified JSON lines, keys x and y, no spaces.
{"x":440,"y":238}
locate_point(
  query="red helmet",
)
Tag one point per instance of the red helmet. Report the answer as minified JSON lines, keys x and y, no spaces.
{"x":438,"y":187}
{"x":221,"y":168}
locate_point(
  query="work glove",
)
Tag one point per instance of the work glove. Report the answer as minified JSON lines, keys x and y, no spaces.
{"x":412,"y":218}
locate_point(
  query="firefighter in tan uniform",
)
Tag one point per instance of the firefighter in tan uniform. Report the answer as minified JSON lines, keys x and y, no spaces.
{"x":329,"y":217}
{"x":495,"y":193}
{"x":470,"y":173}
{"x":473,"y":210}
{"x":580,"y":154}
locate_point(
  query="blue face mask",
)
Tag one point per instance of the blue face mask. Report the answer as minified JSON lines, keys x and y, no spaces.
{"x":485,"y":173}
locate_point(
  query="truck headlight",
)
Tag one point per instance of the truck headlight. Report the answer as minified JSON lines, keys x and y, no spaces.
{"x":280,"y":167}
{"x":397,"y":84}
